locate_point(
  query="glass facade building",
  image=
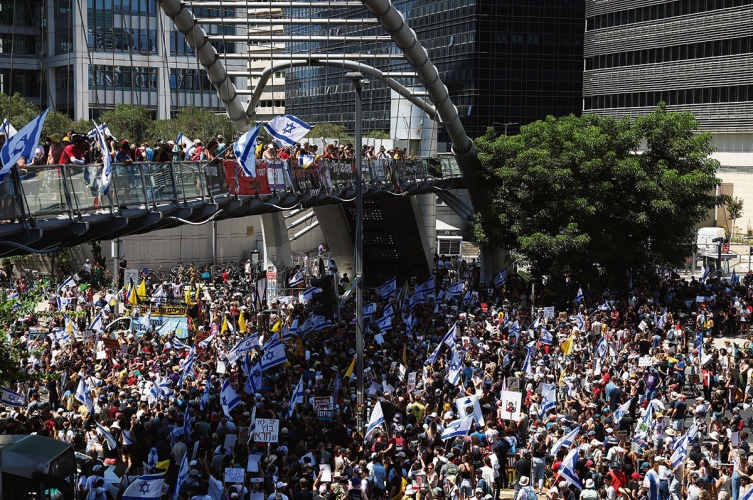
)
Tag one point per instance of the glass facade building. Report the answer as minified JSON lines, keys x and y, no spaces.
{"x":503,"y":61}
{"x":691,"y":54}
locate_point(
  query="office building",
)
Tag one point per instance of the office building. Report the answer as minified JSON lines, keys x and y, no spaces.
{"x":82,"y":58}
{"x":503,"y":61}
{"x":694,"y":55}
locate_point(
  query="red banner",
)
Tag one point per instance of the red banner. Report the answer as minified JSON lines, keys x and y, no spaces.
{"x":239,"y":183}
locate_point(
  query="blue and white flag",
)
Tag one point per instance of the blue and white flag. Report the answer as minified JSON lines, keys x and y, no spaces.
{"x":204,"y":399}
{"x":164,"y":386}
{"x":97,"y":324}
{"x":546,"y":337}
{"x":205,"y":343}
{"x":182,"y":472}
{"x":427,"y":286}
{"x":68,"y":282}
{"x":706,"y":273}
{"x":101,"y":135}
{"x":579,"y":295}
{"x":82,"y":395}
{"x":61,"y":335}
{"x":8,"y":129}
{"x":63,"y":302}
{"x":146,"y":321}
{"x":22,"y":144}
{"x":309,"y":294}
{"x":681,"y":451}
{"x":287,"y":129}
{"x":320,"y":322}
{"x":527,"y":368}
{"x":145,"y":487}
{"x":514,"y":328}
{"x":548,"y":398}
{"x":601,"y":347}
{"x":242,"y":348}
{"x":388,"y":288}
{"x":620,"y":411}
{"x":154,"y":393}
{"x":458,"y":428}
{"x":187,"y":367}
{"x":384,"y":323}
{"x":245,"y":151}
{"x":297,"y":279}
{"x":388,"y":311}
{"x":501,"y":278}
{"x":228,"y":397}
{"x":375,"y":420}
{"x":111,"y":442}
{"x":369,"y":310}
{"x":605,"y":306}
{"x":296,"y":397}
{"x":307,"y":326}
{"x":645,"y":423}
{"x":580,"y":322}
{"x":466,"y":298}
{"x":11,"y":398}
{"x":448,"y":339}
{"x":662,"y":321}
{"x":566,"y":441}
{"x":151,"y":459}
{"x":456,"y":367}
{"x":254,"y":380}
{"x":567,"y":468}
{"x":417,"y":299}
{"x":103,"y":129}
{"x":455,"y":289}
{"x":274,"y":356}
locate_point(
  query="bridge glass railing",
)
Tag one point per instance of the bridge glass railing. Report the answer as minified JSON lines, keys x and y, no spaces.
{"x":45,"y":189}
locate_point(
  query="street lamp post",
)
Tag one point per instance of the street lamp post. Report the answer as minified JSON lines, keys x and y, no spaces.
{"x":358,"y":258}
{"x":506,"y":125}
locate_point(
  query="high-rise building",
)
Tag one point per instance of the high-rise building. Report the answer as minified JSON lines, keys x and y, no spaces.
{"x":86,"y":57}
{"x":692,"y":54}
{"x":504,"y":62}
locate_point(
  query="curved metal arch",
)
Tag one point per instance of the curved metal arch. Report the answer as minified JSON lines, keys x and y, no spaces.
{"x":349,"y":65}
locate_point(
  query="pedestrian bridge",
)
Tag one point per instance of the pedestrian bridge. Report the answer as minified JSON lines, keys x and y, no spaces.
{"x":43,"y":208}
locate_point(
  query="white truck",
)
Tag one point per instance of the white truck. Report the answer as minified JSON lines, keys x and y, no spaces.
{"x":705,"y":241}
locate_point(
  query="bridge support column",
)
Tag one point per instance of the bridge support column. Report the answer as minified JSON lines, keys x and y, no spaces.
{"x":339,"y":236}
{"x":425,"y":212}
{"x":276,"y":242}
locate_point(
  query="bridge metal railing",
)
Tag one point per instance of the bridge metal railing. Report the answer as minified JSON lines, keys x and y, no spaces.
{"x":70,"y":191}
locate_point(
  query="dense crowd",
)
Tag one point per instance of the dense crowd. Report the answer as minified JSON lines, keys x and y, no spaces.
{"x":474,"y":390}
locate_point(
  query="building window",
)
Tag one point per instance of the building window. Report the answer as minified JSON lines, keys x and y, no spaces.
{"x":122,"y":78}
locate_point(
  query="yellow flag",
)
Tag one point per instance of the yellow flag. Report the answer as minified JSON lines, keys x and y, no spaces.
{"x":276,"y":326}
{"x":70,"y":327}
{"x":350,"y":369}
{"x":567,"y":346}
{"x":141,"y":290}
{"x":133,"y":298}
{"x":198,"y":290}
{"x":405,"y":354}
{"x":223,"y":330}
{"x":561,"y":379}
{"x":189,"y":302}
{"x":241,"y":322}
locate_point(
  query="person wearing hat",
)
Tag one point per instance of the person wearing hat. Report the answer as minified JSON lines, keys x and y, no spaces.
{"x":56,"y":150}
{"x":526,"y":491}
{"x":354,"y":492}
{"x":589,"y":491}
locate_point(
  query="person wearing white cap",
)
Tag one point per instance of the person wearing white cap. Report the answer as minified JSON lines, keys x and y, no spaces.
{"x":278,"y":494}
{"x":589,"y":492}
{"x":526,"y":491}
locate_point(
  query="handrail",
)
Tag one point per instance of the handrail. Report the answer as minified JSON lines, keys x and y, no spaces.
{"x":73,"y":190}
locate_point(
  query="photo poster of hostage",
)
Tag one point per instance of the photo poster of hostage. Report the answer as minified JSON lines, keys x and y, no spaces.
{"x":469,"y":405}
{"x":510,"y":408}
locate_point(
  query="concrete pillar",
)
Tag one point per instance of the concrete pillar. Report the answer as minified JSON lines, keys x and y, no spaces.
{"x":425,"y":212}
{"x":164,"y":98}
{"x":276,"y":242}
{"x":339,"y":236}
{"x":80,"y":62}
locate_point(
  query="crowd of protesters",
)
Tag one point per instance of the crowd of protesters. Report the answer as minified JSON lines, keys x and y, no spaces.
{"x":621,"y":394}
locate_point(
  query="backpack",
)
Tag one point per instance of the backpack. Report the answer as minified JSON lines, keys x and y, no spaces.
{"x":452,"y":472}
{"x":671,"y":335}
{"x":485,"y":487}
{"x":530,"y":493}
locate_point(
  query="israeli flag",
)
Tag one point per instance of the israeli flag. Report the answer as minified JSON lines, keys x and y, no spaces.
{"x":515,"y":328}
{"x":458,"y":428}
{"x":164,"y":386}
{"x":369,"y":310}
{"x":501,"y":278}
{"x":456,"y":366}
{"x":706,"y":273}
{"x":103,"y":130}
{"x":566,"y":441}
{"x":548,"y":398}
{"x":384,"y":323}
{"x":82,"y":395}
{"x":245,"y":151}
{"x":182,"y":472}
{"x":63,"y":302}
{"x":681,"y":451}
{"x":97,"y":323}
{"x":376,"y":419}
{"x":620,"y":412}
{"x":426,"y":286}
{"x":297,"y":279}
{"x":309,"y":294}
{"x":455,"y":289}
{"x":287,"y":129}
{"x":24,"y":143}
{"x":11,"y":398}
{"x":254,"y":381}
{"x":580,"y":322}
{"x":68,"y":282}
{"x":111,"y":442}
{"x":228,"y":397}
{"x":146,"y":321}
{"x":448,"y":339}
{"x":601,"y":347}
{"x":307,"y":326}
{"x":151,"y":460}
{"x":101,"y":134}
{"x":388,"y":288}
{"x":662,"y":321}
{"x":145,"y":487}
{"x":8,"y":129}
{"x":61,"y":335}
{"x":153,"y":395}
{"x":605,"y":306}
{"x":320,"y":322}
{"x":388,"y":311}
{"x":204,"y":399}
{"x":546,"y":337}
{"x":296,"y":397}
{"x":527,"y":363}
{"x":274,"y":356}
{"x":184,"y":141}
{"x":567,"y":468}
{"x":294,"y":330}
{"x":187,"y":428}
{"x":579,"y":296}
{"x":205,"y":343}
{"x":242,"y":347}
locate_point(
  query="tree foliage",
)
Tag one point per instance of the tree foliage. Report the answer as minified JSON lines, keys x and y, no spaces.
{"x":195,"y":123}
{"x":734,"y":211}
{"x":578,"y":197}
{"x":128,"y":121}
{"x":11,"y":349}
{"x":329,"y":131}
{"x":19,"y":112}
{"x":378,"y":134}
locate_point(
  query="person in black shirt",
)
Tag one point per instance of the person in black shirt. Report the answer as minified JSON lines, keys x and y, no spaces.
{"x":522,"y":468}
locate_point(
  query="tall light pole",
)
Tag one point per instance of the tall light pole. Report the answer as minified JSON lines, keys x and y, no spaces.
{"x":358,"y":258}
{"x":506,"y":125}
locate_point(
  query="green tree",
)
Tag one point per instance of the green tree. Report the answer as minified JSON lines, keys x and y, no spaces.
{"x":83,"y":126}
{"x":378,"y":134}
{"x":128,"y":122}
{"x":19,"y":112}
{"x":734,"y":211}
{"x":329,"y":131}
{"x":575,"y":196}
{"x":195,"y":123}
{"x":11,"y":349}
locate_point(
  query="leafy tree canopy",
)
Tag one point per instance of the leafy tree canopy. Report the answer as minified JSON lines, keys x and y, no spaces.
{"x":11,"y":349}
{"x":590,"y":197}
{"x":329,"y":131}
{"x":19,"y":112}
